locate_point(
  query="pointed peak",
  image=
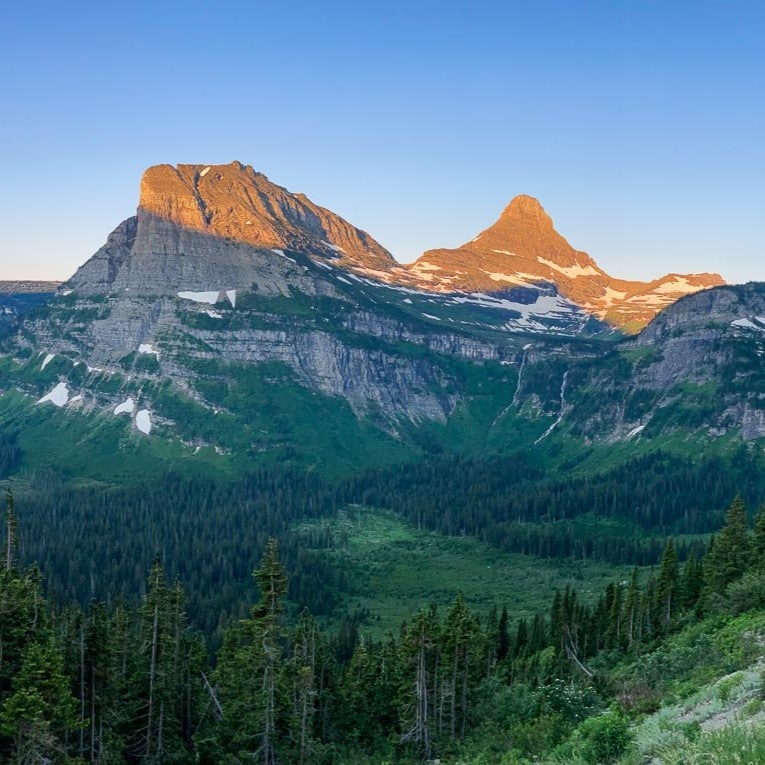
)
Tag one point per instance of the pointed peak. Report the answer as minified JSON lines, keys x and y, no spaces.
{"x":525,"y":206}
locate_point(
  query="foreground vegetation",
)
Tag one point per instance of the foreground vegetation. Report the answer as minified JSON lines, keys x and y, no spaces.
{"x":578,"y":682}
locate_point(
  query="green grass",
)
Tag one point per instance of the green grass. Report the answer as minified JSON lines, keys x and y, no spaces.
{"x":393,"y":569}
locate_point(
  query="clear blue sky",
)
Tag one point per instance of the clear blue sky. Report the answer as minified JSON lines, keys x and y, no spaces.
{"x":640,"y":125}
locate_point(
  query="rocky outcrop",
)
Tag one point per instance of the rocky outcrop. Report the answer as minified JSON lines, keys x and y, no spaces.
{"x":523,"y":248}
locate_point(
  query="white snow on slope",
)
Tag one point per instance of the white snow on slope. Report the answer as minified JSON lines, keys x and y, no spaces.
{"x":204,"y":172}
{"x":676,"y":285}
{"x":209,"y":296}
{"x":126,"y":407}
{"x":333,"y":247}
{"x":512,"y":278}
{"x":147,"y":348}
{"x":59,"y":396}
{"x":213,"y":314}
{"x":430,"y":316}
{"x":47,"y":360}
{"x":143,"y":421}
{"x":425,"y":266}
{"x":282,"y":254}
{"x":744,"y":323}
{"x":635,"y":431}
{"x":571,"y":271}
{"x":201,"y":297}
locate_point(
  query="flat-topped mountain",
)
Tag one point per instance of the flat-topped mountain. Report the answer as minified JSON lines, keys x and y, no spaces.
{"x":523,"y":248}
{"x":198,"y":224}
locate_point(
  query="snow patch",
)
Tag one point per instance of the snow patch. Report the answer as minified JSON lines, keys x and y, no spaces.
{"x":512,"y":278}
{"x":201,"y":297}
{"x":333,"y":246}
{"x":571,"y":271}
{"x":47,"y":360}
{"x":126,"y":407}
{"x":64,"y":293}
{"x":744,"y":323}
{"x":231,"y":295}
{"x":204,"y":172}
{"x":430,"y":316}
{"x":143,"y":421}
{"x":59,"y":396}
{"x":611,"y":295}
{"x":147,"y":349}
{"x":213,"y":314}
{"x":407,"y":300}
{"x":504,"y":252}
{"x":425,"y":266}
{"x":679,"y":284}
{"x":282,"y":254}
{"x":635,"y":431}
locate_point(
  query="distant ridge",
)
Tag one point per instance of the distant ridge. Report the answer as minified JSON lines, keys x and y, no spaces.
{"x":26,"y":287}
{"x":522,"y":247}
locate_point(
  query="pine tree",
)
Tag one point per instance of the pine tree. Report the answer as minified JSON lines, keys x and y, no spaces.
{"x":250,"y":677}
{"x":11,"y":532}
{"x":40,"y":709}
{"x":503,"y":635}
{"x":730,"y":556}
{"x":668,"y":584}
{"x":758,"y":540}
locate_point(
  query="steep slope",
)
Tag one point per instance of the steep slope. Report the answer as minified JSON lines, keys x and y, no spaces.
{"x":523,"y":248}
{"x":196,"y":223}
{"x":232,"y":319}
{"x":696,"y":369}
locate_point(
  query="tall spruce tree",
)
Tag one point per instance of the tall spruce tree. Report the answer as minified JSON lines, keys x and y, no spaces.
{"x":250,"y":679}
{"x":731,"y":554}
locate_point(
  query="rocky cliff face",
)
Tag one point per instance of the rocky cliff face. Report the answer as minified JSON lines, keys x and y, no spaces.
{"x":698,"y":366}
{"x":224,"y":288}
{"x":523,"y":248}
{"x":215,"y":227}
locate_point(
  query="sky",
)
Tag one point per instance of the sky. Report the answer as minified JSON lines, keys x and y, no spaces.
{"x":639,"y":125}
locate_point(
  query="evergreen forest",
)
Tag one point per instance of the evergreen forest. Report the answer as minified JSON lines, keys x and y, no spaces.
{"x":131,"y":678}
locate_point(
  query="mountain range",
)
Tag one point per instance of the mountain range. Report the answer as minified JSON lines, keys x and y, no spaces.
{"x":231,"y":322}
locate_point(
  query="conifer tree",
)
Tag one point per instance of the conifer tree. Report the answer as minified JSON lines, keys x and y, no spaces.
{"x":730,"y":556}
{"x":11,"y":532}
{"x":668,"y":584}
{"x":249,"y":674}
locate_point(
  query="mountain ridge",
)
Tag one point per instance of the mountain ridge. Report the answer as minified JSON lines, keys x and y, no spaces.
{"x":522,"y":247}
{"x":195,"y":217}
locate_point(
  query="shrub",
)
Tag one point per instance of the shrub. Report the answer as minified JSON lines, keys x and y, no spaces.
{"x":605,"y":738}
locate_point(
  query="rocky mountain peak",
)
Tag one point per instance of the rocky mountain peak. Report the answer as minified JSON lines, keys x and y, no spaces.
{"x":523,"y":248}
{"x":238,"y":203}
{"x":527,"y":208}
{"x":202,"y":227}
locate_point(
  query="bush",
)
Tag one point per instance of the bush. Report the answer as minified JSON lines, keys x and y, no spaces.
{"x":604,"y":738}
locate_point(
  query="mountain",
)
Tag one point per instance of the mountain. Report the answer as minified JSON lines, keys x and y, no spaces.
{"x":523,"y":248}
{"x":231,"y":322}
{"x":17,"y":298}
